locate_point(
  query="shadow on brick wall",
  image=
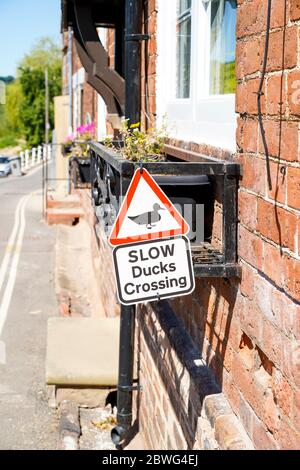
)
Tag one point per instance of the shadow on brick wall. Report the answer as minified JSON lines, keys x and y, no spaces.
{"x":174,"y":377}
{"x":207,"y":316}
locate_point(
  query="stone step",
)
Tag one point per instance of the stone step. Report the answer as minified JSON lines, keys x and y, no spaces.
{"x":70,"y":201}
{"x":82,"y":352}
{"x":63,"y":215}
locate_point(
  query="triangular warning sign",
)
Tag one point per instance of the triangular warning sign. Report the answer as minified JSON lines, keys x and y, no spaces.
{"x":146,"y":213}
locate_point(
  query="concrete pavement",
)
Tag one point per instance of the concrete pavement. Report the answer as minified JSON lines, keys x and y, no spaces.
{"x":27,"y":300}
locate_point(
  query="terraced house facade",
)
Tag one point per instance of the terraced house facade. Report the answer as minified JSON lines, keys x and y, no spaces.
{"x":219,"y":368}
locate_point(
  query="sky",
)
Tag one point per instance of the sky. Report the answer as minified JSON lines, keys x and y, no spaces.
{"x":22,"y":23}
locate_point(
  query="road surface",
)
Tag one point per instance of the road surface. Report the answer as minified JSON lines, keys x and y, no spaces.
{"x":27,"y":299}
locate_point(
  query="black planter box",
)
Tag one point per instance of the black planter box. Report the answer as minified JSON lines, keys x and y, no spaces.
{"x":66,"y":149}
{"x":79,"y":170}
{"x":185,"y":177}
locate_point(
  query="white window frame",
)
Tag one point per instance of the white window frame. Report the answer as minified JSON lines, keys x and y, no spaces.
{"x":201,"y":118}
{"x":78,"y":84}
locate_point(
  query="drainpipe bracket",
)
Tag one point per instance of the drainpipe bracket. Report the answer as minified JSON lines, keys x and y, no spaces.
{"x":129,"y":388}
{"x":137,"y":37}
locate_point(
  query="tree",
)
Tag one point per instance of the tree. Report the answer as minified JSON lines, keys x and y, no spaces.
{"x":14,"y":98}
{"x":9,"y":111}
{"x":45,"y":53}
{"x":31,"y":73}
{"x":2,"y":120}
{"x":23,"y":115}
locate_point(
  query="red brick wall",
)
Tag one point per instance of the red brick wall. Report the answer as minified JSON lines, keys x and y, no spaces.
{"x":103,"y":274}
{"x":248,"y":329}
{"x":180,"y":406}
{"x":149,"y":51}
{"x":90,"y":104}
{"x":264,"y":387}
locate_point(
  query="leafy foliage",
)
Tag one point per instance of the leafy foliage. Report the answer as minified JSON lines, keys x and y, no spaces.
{"x":13,"y":106}
{"x":8,"y":141}
{"x":77,"y":144}
{"x":24,"y":112}
{"x":2,"y":120}
{"x":141,"y":145}
{"x":32,"y":80}
{"x":9,"y":113}
{"x":45,"y":53}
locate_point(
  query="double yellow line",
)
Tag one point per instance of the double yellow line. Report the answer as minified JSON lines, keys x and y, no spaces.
{"x":12,"y":252}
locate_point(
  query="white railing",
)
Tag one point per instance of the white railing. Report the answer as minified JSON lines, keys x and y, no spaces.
{"x":33,"y":157}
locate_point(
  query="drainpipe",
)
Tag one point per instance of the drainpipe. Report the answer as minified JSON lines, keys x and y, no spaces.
{"x":133,"y":29}
{"x":133,"y":37}
{"x":125,"y":380}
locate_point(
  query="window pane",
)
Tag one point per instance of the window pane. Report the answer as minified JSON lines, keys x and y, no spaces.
{"x":222,"y":47}
{"x":183,"y":5}
{"x":183,"y":58}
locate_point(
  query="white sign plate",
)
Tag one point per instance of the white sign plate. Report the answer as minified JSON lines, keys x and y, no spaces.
{"x":153,"y":270}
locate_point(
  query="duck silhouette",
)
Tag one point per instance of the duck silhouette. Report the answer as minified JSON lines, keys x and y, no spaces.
{"x":148,"y":218}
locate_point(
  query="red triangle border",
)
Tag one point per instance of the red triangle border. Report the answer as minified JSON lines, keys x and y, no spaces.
{"x":113,"y":238}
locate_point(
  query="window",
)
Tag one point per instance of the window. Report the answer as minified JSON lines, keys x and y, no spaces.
{"x":184,"y":23}
{"x":222,"y":47}
{"x":196,"y":70}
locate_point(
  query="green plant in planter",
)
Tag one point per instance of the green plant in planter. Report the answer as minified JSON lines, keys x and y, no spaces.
{"x":77,"y":145}
{"x":84,"y":134}
{"x":67,"y":145}
{"x":147,"y":146}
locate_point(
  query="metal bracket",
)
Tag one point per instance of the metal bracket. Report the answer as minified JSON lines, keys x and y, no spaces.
{"x":129,"y":388}
{"x":233,"y":169}
{"x":94,"y":58}
{"x":137,"y":37}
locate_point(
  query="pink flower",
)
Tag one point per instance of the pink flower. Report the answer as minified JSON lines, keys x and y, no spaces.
{"x":86,"y":129}
{"x":90,"y":127}
{"x":80,"y":129}
{"x":70,"y":138}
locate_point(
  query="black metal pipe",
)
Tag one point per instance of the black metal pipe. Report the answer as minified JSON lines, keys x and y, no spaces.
{"x":125,"y":380}
{"x":133,"y":29}
{"x":260,"y":94}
